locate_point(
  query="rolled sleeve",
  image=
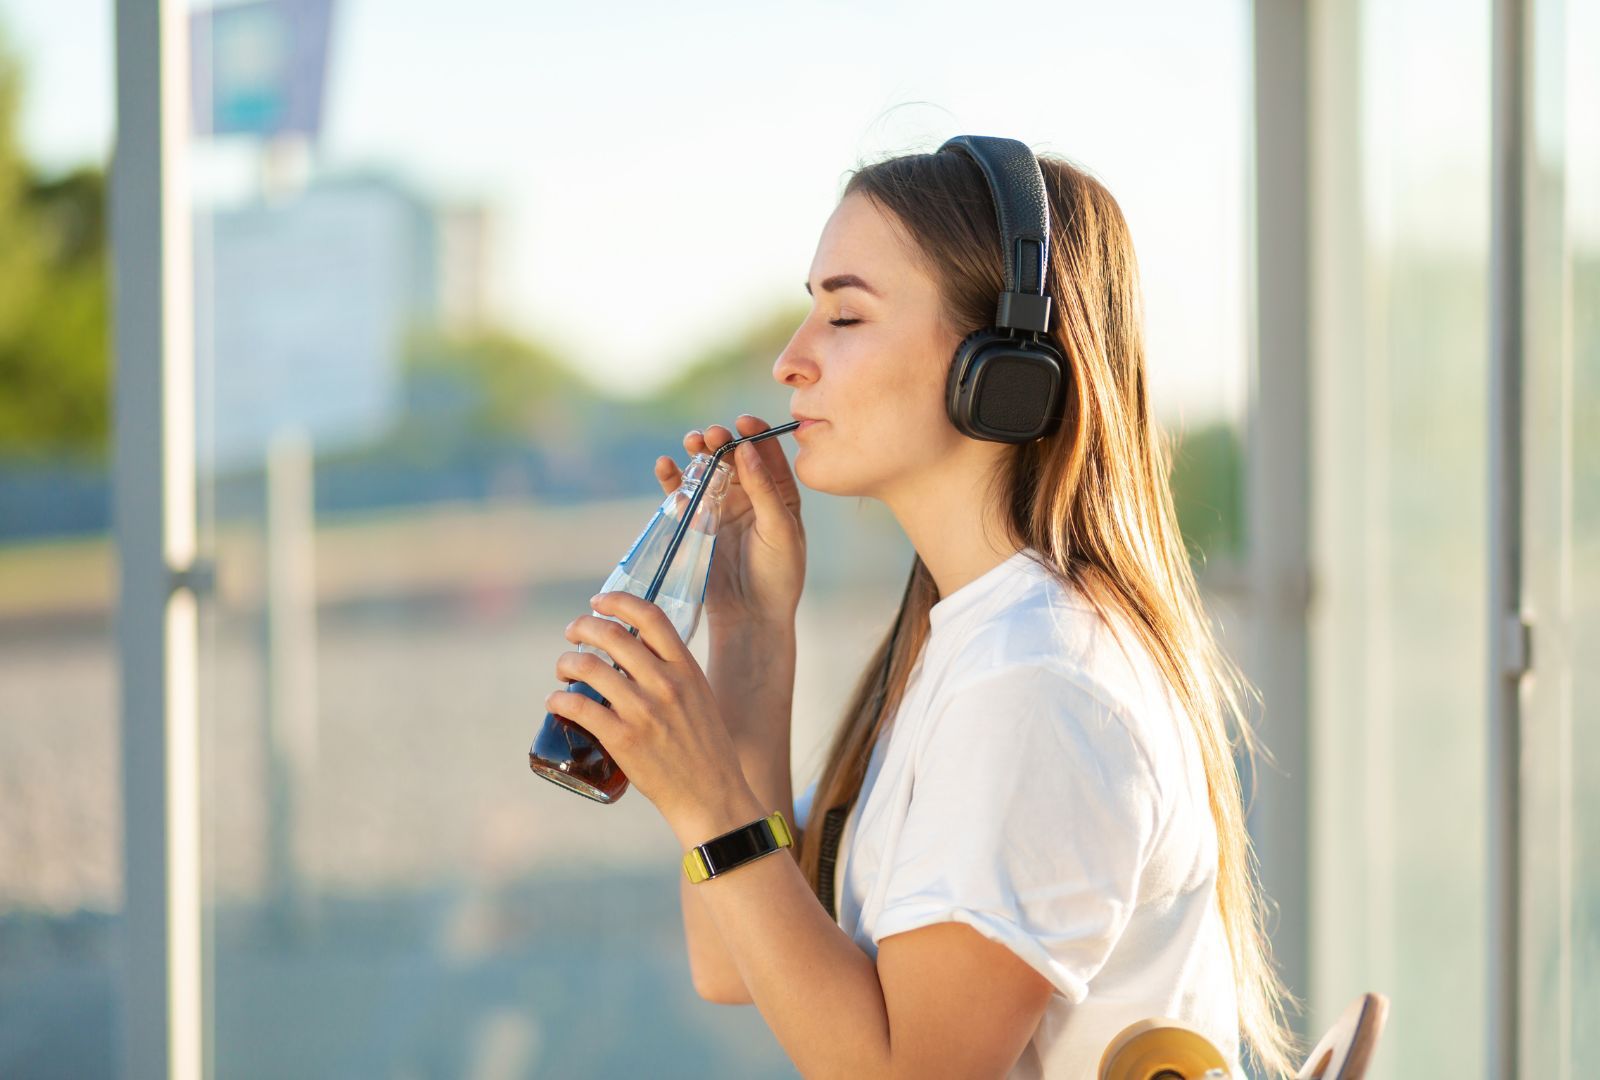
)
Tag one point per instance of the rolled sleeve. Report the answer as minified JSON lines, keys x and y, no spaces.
{"x":1032,"y":814}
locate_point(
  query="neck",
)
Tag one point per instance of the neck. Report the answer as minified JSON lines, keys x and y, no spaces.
{"x":954,"y":516}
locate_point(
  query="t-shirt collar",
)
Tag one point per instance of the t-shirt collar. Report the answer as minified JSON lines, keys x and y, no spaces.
{"x":989,"y":584}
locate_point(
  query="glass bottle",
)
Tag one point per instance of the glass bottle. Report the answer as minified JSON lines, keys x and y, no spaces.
{"x":564,"y":752}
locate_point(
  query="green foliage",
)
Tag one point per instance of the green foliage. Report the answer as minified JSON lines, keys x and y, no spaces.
{"x":497,"y":384}
{"x":54,"y":335}
{"x":506,"y":385}
{"x":734,"y":375}
{"x":1207,"y":489}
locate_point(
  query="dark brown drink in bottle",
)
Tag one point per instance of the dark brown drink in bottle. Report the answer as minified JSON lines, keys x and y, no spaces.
{"x":565,"y":753}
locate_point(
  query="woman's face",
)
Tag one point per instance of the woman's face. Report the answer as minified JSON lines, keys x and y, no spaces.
{"x":877,"y":383}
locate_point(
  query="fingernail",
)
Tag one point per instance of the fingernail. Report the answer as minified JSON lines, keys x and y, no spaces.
{"x":595,"y":599}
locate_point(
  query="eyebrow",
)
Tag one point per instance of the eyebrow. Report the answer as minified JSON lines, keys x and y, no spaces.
{"x":845,"y":281}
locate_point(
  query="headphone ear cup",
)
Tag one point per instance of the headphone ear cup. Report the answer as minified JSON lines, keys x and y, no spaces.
{"x":958,"y":403}
{"x":1000,"y":389}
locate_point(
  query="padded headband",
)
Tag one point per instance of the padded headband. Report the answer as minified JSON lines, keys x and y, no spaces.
{"x":1017,"y":185}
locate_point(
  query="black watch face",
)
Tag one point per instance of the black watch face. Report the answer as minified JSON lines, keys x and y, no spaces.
{"x":745,"y":843}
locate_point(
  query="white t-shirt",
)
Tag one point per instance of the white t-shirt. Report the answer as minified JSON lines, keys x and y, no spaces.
{"x":1042,"y":787}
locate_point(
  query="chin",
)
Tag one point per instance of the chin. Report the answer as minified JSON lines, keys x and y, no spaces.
{"x":818,"y":477}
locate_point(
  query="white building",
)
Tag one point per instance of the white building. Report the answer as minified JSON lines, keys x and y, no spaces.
{"x":304,"y":303}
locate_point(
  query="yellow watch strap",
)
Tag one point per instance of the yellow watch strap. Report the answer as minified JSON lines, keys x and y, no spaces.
{"x":780,"y":829}
{"x":694,"y":862}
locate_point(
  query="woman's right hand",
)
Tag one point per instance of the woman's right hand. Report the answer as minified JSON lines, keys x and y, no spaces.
{"x":760,"y":564}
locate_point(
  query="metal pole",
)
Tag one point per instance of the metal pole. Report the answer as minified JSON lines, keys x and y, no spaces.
{"x":154,"y":521}
{"x":1508,"y":634}
{"x":291,"y":650}
{"x":1278,"y":470}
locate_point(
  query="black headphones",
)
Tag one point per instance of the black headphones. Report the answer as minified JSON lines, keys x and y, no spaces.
{"x":1008,"y":382}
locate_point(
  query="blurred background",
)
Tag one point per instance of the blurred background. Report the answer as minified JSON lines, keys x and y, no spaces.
{"x":433,"y":285}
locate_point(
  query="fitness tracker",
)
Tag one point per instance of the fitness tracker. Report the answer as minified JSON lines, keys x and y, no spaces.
{"x":737,"y":847}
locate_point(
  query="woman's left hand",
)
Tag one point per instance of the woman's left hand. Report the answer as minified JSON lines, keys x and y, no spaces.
{"x":663,"y":726}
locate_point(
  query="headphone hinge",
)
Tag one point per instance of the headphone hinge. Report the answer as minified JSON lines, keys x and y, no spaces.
{"x":1023,"y":311}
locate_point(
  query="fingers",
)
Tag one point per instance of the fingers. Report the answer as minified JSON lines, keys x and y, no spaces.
{"x":668,"y":473}
{"x":593,"y":717}
{"x":635,"y":661}
{"x":591,"y":669}
{"x":758,"y":484}
{"x":655,"y":629}
{"x":709,"y":441}
{"x":716,"y":436}
{"x":773,"y":458}
{"x":713,"y":438}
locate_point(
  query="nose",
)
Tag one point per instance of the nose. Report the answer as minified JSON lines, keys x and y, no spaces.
{"x":795,"y":366}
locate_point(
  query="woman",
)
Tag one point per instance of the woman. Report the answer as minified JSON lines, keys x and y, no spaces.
{"x":1044,"y":840}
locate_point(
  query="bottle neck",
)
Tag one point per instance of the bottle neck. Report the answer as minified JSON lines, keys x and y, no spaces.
{"x":699,"y":473}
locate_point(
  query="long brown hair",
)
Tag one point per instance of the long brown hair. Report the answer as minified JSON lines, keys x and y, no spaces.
{"x":1093,"y":499}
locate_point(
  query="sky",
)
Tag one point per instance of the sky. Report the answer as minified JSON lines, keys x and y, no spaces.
{"x":686,"y":157}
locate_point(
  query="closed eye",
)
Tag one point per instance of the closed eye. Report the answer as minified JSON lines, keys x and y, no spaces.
{"x":843,"y":322}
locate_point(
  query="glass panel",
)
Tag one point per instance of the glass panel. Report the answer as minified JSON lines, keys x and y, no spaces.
{"x":1399,"y":710}
{"x":388,"y":892}
{"x":61,"y":876}
{"x":1583,"y":467}
{"x":442,"y":339}
{"x":398,"y":356}
{"x":1561,"y":824}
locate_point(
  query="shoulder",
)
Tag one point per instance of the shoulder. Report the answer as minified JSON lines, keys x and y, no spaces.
{"x":1061,"y":676}
{"x":1029,"y":717}
{"x":1050,"y":652}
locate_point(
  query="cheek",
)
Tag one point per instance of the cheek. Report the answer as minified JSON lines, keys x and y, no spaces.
{"x":900,"y":404}
{"x":894,"y":411}
{"x":930,"y":389}
{"x":913,"y":428}
{"x":915,"y":378}
{"x":873,"y":445}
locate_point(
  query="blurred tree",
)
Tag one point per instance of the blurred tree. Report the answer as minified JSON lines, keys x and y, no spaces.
{"x":54,"y":338}
{"x":1207,"y":486}
{"x":493,"y":384}
{"x":734,"y":375}
{"x":490,"y":381}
